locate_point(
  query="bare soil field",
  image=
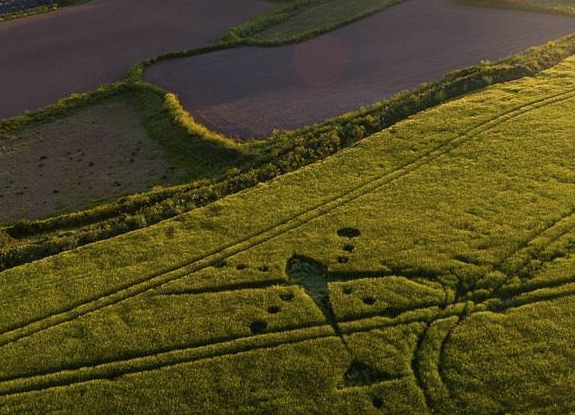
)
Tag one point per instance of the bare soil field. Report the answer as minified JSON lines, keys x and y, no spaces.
{"x":247,"y":92}
{"x":99,"y":153}
{"x":79,"y":48}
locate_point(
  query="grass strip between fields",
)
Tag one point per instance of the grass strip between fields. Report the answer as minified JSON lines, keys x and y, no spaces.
{"x":256,"y":162}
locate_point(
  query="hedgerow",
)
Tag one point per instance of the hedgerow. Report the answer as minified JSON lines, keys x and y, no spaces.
{"x":56,"y":5}
{"x":282,"y":153}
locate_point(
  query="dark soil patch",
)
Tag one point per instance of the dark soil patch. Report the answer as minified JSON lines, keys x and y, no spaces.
{"x":348,"y":233}
{"x":349,"y":248}
{"x":79,"y":160}
{"x":274,"y":309}
{"x":249,"y":91}
{"x":342,"y":259}
{"x":287,"y":297}
{"x":361,"y":374}
{"x":47,"y":57}
{"x":258,"y":326}
{"x":369,"y":300}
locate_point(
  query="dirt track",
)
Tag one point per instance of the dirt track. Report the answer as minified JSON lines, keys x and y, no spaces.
{"x":47,"y":57}
{"x":248,"y":92}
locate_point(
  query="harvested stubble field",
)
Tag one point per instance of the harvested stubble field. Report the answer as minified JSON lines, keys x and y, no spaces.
{"x":96,"y":42}
{"x":426,"y":269}
{"x":248,"y":92}
{"x":96,"y":153}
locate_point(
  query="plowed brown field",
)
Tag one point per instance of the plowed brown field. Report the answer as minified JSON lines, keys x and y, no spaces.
{"x":79,"y":48}
{"x":250,"y":91}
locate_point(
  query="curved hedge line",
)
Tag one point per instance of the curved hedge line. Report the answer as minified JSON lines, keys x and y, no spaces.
{"x":282,"y":153}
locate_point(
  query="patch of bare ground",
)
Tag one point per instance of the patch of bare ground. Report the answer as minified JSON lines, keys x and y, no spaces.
{"x":96,"y":153}
{"x":50,"y":56}
{"x":249,"y":91}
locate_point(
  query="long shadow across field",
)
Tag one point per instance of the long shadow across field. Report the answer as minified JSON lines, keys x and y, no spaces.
{"x":249,"y":91}
{"x":48,"y":57}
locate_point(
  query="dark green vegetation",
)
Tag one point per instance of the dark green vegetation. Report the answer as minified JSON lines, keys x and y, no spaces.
{"x":245,"y":165}
{"x":127,"y":137}
{"x":39,"y":10}
{"x":426,"y":268}
{"x":303,"y":19}
{"x":439,"y":264}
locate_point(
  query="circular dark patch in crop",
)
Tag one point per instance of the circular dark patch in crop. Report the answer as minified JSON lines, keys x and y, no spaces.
{"x":377,"y":402}
{"x":258,"y":326}
{"x":349,"y":232}
{"x":287,"y":296}
{"x":369,"y":300}
{"x":273,"y":309}
{"x":342,"y":259}
{"x":347,"y":290}
{"x":239,"y":267}
{"x":349,"y":247}
{"x":264,"y":268}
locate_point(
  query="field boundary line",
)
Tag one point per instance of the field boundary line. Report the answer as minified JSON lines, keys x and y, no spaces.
{"x":233,"y":248}
{"x":162,"y":359}
{"x":155,"y":361}
{"x":561,"y":224}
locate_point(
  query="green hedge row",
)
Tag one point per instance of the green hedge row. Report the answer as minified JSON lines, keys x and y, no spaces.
{"x":282,"y":153}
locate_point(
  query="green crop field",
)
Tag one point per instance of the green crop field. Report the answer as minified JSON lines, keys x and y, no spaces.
{"x":313,"y":17}
{"x":412,"y":257}
{"x":427,"y":269}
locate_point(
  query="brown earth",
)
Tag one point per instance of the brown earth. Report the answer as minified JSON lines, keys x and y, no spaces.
{"x":97,"y":153}
{"x":248,"y":92}
{"x":47,"y":57}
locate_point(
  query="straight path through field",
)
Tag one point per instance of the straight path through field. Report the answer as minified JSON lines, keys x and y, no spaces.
{"x":250,"y":91}
{"x":48,"y":57}
{"x":159,"y":279}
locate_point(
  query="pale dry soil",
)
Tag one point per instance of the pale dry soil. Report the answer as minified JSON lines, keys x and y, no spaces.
{"x":94,"y":154}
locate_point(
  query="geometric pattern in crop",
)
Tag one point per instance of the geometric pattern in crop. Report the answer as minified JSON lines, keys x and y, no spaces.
{"x":449,"y":291}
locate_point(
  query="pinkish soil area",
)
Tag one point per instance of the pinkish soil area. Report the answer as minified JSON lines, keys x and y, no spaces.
{"x":94,"y":154}
{"x":247,"y":92}
{"x":50,"y":56}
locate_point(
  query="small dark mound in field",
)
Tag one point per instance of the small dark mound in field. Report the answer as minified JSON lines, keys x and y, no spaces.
{"x":361,"y":374}
{"x":274,"y":309}
{"x":240,"y":267}
{"x":342,"y":259}
{"x":377,"y":402}
{"x":349,"y":248}
{"x":258,"y":326}
{"x":287,"y":297}
{"x":347,"y":290}
{"x":348,"y":232}
{"x":264,"y":268}
{"x":369,"y":300}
